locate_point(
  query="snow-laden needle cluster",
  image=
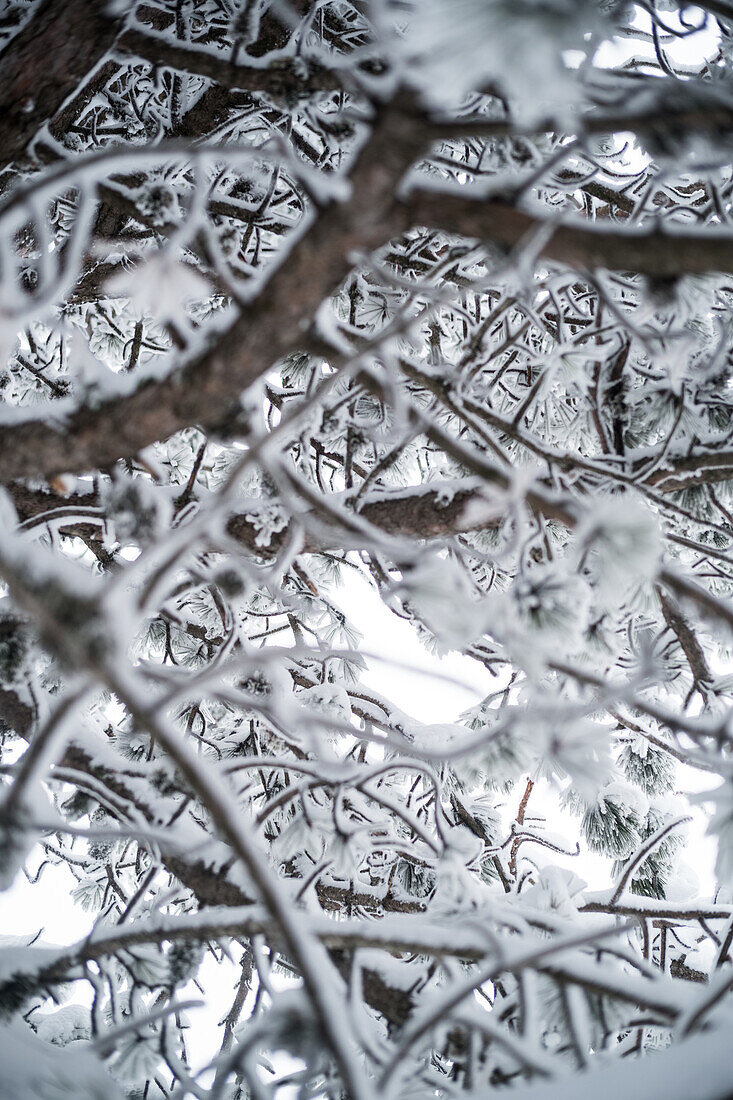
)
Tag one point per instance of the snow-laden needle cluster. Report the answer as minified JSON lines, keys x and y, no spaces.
{"x":433,"y":295}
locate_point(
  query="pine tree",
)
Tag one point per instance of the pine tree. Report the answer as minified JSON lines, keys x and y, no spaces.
{"x":430,"y":296}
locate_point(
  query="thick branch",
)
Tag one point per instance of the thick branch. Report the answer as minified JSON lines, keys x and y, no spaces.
{"x":650,"y":252}
{"x":281,"y":78}
{"x":43,"y":65}
{"x":206,"y":389}
{"x":687,"y":638}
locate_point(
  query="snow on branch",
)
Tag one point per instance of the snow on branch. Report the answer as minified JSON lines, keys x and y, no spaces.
{"x":366,"y":548}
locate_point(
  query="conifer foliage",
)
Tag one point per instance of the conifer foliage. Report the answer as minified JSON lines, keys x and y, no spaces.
{"x":303,"y":295}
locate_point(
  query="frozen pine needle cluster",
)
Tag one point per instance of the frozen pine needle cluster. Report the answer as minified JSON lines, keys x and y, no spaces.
{"x":298,"y":296}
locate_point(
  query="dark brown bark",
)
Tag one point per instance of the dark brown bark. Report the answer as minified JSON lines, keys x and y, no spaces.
{"x":687,"y":638}
{"x":206,"y":389}
{"x":649,"y":252}
{"x":43,"y":65}
{"x":283,"y":78}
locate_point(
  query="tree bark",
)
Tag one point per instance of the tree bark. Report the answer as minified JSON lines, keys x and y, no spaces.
{"x":61,"y":42}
